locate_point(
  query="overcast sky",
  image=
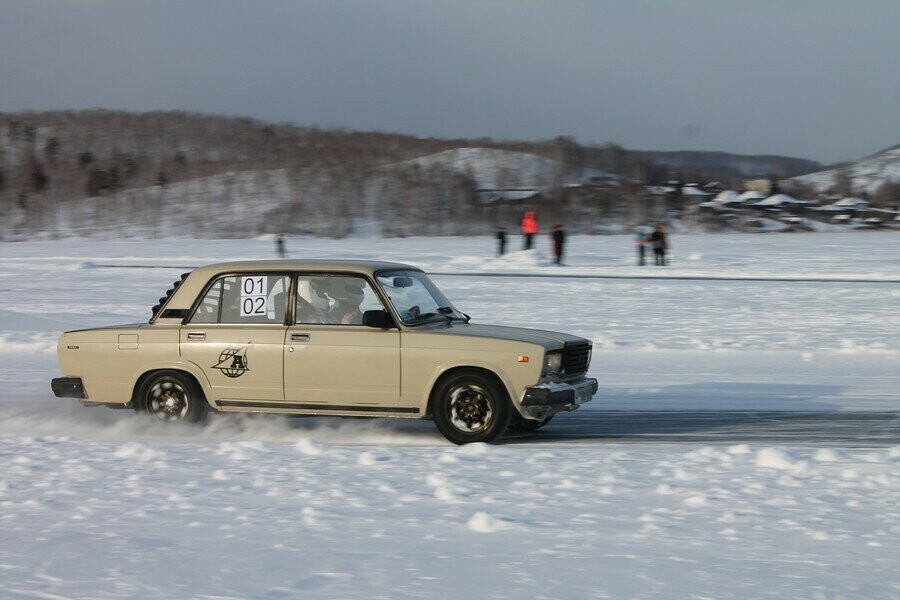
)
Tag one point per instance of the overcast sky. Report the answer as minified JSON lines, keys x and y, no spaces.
{"x":817,"y":79}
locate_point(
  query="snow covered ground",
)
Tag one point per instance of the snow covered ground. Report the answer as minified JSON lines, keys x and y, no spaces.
{"x":744,"y":443}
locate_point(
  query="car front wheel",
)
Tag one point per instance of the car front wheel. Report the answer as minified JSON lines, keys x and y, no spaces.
{"x":470,"y":407}
{"x":172,"y":397}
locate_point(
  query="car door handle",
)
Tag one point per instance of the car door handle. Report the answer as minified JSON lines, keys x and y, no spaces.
{"x":299,"y":337}
{"x":196,"y":336}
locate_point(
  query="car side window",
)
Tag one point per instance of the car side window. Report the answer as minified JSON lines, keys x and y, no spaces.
{"x":240,"y":299}
{"x":208,"y":309}
{"x":334,"y":299}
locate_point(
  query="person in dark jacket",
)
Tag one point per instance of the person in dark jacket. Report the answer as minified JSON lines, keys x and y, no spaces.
{"x":660,"y":244}
{"x":501,"y":241}
{"x":559,"y":240}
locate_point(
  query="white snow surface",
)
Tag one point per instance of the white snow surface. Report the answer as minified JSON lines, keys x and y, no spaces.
{"x":728,"y":197}
{"x":751,"y":195}
{"x":97,"y":503}
{"x":494,"y":168}
{"x":777,"y":200}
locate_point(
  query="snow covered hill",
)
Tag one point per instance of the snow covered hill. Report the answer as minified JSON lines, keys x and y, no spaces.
{"x":228,"y":205}
{"x":866,"y":175}
{"x":235,"y":204}
{"x":493,"y":168}
{"x":429,"y":191}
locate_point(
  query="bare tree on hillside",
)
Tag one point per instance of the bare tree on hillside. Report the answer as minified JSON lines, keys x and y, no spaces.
{"x":843,"y":182}
{"x":887,"y":195}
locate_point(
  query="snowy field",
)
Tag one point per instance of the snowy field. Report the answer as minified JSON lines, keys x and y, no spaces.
{"x":744,"y":443}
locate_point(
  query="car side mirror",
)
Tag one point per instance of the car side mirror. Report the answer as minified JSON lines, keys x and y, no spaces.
{"x":379,"y":319}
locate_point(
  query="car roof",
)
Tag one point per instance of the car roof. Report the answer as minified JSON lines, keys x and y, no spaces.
{"x":369,"y":267}
{"x":186,"y":293}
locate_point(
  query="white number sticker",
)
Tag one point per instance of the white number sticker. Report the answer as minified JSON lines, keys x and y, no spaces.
{"x":254,"y":294}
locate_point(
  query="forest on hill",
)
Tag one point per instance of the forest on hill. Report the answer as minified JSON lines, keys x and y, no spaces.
{"x":98,"y":171}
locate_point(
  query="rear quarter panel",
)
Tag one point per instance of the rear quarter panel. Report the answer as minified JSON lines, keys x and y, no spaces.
{"x":110,"y":361}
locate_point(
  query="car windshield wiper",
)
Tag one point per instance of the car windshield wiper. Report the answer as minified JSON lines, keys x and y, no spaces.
{"x":422,"y":318}
{"x":448,"y":312}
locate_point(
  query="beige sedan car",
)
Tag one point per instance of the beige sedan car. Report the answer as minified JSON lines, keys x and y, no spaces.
{"x":346,"y":338}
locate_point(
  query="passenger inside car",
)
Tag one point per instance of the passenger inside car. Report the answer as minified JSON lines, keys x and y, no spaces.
{"x":312,"y":300}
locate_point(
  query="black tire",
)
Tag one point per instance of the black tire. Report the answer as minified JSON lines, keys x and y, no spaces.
{"x":171,"y":396}
{"x":469,"y":406}
{"x":520,"y":423}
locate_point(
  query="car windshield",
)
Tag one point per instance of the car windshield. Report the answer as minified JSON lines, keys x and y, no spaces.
{"x":416,"y":299}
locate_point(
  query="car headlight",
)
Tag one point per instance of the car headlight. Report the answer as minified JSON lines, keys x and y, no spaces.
{"x":552,"y":363}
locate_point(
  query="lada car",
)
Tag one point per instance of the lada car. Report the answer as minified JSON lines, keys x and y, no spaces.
{"x":346,"y":338}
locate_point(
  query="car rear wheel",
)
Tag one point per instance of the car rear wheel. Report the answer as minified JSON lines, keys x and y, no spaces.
{"x":172,"y":397}
{"x":470,"y":407}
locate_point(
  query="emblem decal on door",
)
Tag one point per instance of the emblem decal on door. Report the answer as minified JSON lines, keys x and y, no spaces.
{"x":233,"y":362}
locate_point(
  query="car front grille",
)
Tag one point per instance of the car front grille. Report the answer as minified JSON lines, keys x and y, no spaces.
{"x":576,"y":358}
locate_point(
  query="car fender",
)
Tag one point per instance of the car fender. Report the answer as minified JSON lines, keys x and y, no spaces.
{"x":442,"y":369}
{"x":173,"y":365}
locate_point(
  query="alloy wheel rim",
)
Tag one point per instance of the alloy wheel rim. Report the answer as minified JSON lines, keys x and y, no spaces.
{"x":168,"y":400}
{"x":470,"y":408}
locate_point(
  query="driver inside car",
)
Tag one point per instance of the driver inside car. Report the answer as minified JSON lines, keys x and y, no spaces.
{"x":348,"y":295}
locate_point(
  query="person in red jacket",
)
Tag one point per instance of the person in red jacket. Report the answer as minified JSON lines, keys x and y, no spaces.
{"x":529,"y":228}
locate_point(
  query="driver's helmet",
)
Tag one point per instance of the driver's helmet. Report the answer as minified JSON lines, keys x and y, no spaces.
{"x":348,"y":291}
{"x":313,"y":291}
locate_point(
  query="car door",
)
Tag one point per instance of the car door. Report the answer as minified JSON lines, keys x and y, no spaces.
{"x":332,"y":361}
{"x":236,"y":337}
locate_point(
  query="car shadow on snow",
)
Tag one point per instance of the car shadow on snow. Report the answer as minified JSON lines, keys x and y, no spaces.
{"x":721,"y":396}
{"x":721,"y":413}
{"x":722,"y":427}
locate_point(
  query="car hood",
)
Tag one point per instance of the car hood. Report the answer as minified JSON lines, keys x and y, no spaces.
{"x":551,"y":340}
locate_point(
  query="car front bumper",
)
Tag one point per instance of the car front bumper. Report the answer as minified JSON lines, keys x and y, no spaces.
{"x":68,"y":387}
{"x":543,"y":400}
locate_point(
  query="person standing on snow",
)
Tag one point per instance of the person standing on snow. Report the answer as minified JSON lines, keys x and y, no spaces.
{"x":559,"y":239}
{"x":641,"y":237}
{"x":501,"y":241}
{"x":529,"y":228}
{"x":660,"y":244}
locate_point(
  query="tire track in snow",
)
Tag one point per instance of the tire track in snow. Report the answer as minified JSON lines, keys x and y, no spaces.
{"x":847,"y":429}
